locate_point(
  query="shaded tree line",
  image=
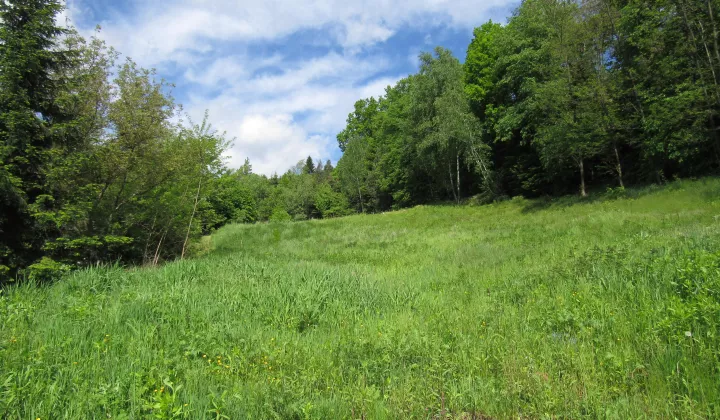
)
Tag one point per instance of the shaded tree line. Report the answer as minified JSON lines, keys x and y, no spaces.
{"x":567,"y":97}
{"x":99,"y":165}
{"x":308,"y":190}
{"x":96,"y":164}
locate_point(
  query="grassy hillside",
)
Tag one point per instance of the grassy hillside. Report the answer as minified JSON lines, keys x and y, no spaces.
{"x":605,"y":308}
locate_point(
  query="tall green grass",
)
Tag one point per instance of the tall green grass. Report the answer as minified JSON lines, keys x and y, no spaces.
{"x":568,"y":308}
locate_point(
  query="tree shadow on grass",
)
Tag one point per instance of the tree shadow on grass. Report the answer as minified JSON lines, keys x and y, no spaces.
{"x":612,"y":194}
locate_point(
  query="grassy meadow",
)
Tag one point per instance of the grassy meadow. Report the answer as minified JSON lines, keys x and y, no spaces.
{"x":600,"y":308}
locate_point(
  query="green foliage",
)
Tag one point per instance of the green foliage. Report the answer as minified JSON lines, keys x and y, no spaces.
{"x":230,"y":201}
{"x":330,"y":203}
{"x":279,"y":214}
{"x":694,"y":309}
{"x":567,"y":97}
{"x":446,"y":128}
{"x":356,"y":178}
{"x":482,"y":54}
{"x":93,"y":169}
{"x":360,"y":123}
{"x":243,"y":197}
{"x":309,"y":167}
{"x":45,"y":270}
{"x":32,"y":67}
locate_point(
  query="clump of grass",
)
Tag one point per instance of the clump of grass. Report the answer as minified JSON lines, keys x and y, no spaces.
{"x":566,"y":308}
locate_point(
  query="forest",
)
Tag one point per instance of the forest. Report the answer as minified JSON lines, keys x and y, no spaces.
{"x":99,"y":164}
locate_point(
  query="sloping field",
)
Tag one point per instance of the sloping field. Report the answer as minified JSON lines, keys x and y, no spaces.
{"x":566,"y":308}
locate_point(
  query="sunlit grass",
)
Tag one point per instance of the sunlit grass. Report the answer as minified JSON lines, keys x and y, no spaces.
{"x":604,"y":308}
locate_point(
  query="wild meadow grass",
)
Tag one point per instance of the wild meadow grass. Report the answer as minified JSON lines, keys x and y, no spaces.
{"x":601,"y":308}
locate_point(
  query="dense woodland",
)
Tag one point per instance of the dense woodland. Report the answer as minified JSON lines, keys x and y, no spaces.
{"x":99,"y":164}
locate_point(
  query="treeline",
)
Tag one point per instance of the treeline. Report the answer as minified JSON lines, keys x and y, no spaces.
{"x":96,"y":164}
{"x":308,"y":190}
{"x":567,"y":97}
{"x":99,"y":165}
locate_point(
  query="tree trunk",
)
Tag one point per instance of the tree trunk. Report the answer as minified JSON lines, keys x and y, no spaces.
{"x":698,"y":59}
{"x":715,"y":33}
{"x":709,"y":59}
{"x":618,"y":166}
{"x":116,"y":203}
{"x":484,"y":170}
{"x":583,"y":192}
{"x":362,"y":206}
{"x":146,"y":255}
{"x":457,"y":168}
{"x":192,"y":216}
{"x":156,"y":258}
{"x":452,"y":183}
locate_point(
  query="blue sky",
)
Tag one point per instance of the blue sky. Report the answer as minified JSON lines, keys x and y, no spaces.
{"x":280,"y":76}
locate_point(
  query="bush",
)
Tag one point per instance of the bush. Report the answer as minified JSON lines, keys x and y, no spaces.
{"x":331,"y":203}
{"x":46,"y":270}
{"x":279,"y":214}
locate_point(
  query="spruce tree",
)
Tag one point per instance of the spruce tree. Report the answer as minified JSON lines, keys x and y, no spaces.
{"x":30,"y":65}
{"x":309,"y":167}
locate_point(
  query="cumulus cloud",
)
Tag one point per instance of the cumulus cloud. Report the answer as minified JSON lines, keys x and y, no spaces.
{"x":259,"y":112}
{"x":279,"y":106}
{"x":359,"y":33}
{"x":161,"y":29}
{"x":274,"y":143}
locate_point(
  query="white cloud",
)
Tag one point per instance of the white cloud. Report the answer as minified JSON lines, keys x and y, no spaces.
{"x":161,"y":29}
{"x":274,"y":143}
{"x":279,"y":108}
{"x":359,"y":33}
{"x":259,"y":112}
{"x":225,"y":69}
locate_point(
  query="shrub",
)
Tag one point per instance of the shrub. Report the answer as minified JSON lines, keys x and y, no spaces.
{"x":279,"y":214}
{"x":46,"y":270}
